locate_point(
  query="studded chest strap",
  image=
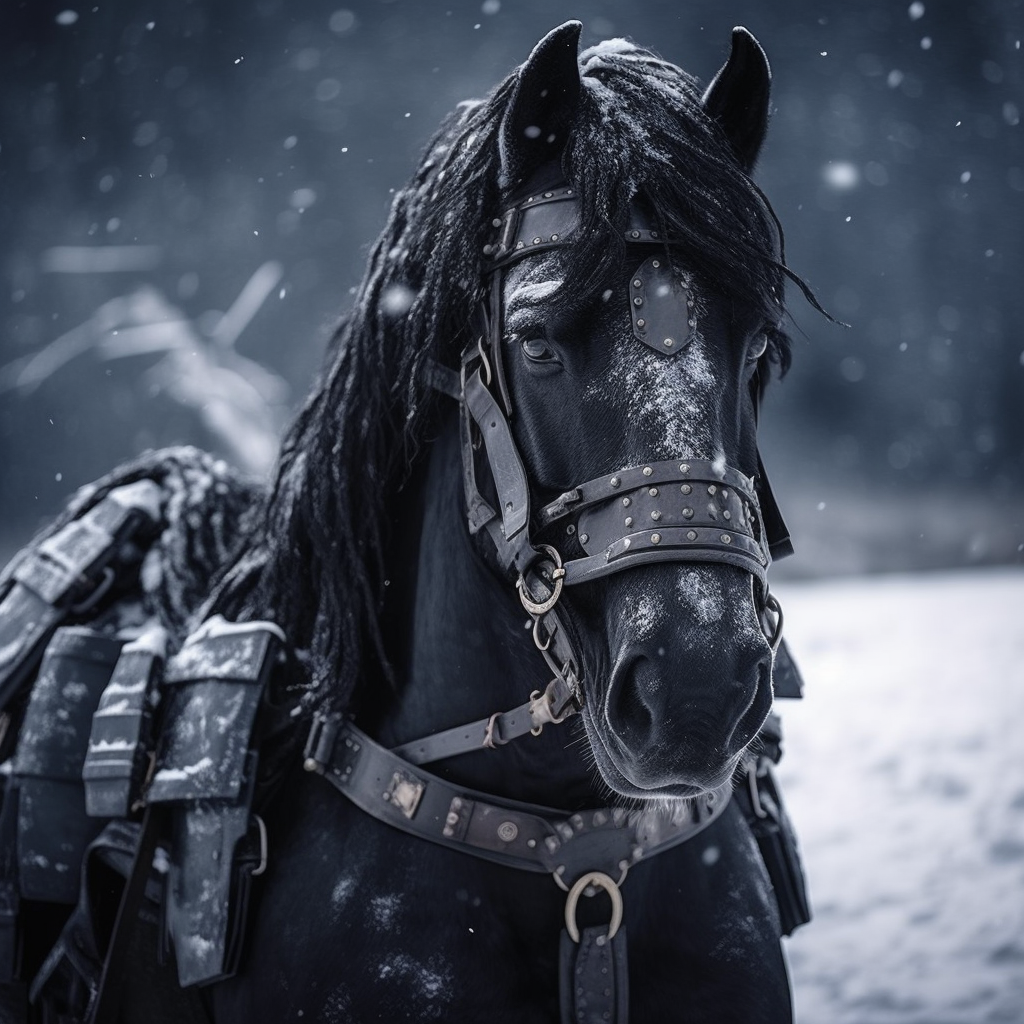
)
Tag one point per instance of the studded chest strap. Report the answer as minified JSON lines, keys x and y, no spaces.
{"x":519,"y":835}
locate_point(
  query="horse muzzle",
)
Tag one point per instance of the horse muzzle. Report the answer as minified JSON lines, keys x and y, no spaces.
{"x":689,"y":683}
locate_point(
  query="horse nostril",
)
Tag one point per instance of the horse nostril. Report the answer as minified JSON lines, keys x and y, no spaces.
{"x":630,"y":712}
{"x":664,"y":726}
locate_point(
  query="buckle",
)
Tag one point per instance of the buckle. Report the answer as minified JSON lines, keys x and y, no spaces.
{"x":556,"y":582}
{"x":262,"y":866}
{"x":320,"y":743}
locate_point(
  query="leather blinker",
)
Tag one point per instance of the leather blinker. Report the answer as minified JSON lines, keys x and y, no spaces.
{"x":662,"y":307}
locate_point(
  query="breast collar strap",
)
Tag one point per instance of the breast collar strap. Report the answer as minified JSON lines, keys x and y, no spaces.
{"x":530,"y":837}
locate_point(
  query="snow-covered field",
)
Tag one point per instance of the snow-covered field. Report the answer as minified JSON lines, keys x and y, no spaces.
{"x":904,"y":774}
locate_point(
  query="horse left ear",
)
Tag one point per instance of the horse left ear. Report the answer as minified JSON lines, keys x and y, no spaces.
{"x":535,"y":128}
{"x":738,"y":97}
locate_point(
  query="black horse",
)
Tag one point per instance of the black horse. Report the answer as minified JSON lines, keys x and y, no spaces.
{"x":563,"y":333}
{"x":674,"y":661}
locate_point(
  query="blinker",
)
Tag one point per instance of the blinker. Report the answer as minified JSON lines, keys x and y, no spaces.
{"x":661,"y":307}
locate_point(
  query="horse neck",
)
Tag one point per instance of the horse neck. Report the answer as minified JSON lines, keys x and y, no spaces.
{"x":455,"y":631}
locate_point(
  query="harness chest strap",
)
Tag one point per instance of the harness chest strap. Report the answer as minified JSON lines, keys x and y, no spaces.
{"x":519,"y":835}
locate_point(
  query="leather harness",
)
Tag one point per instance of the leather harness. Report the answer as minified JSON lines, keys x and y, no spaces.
{"x":681,"y":510}
{"x":200,"y":784}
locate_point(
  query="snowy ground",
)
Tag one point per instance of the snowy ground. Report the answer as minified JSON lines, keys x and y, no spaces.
{"x":904,"y":773}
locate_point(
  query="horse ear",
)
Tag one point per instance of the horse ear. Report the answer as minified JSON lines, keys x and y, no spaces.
{"x":535,"y":128}
{"x":738,"y":97}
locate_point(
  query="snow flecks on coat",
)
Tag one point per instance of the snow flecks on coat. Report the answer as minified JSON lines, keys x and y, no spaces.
{"x":384,"y":911}
{"x":700,"y":589}
{"x":430,"y":981}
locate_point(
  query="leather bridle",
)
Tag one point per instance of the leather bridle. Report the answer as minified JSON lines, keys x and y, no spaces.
{"x":677,"y":510}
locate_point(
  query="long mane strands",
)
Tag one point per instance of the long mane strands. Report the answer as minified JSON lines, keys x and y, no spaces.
{"x":320,"y":570}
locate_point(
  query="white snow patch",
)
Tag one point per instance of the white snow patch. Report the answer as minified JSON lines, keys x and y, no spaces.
{"x":643,"y":616}
{"x":429,"y":981}
{"x":115,"y":688}
{"x":144,"y":494}
{"x":700,"y":590}
{"x":904,"y":779}
{"x":152,"y":571}
{"x":106,"y":746}
{"x":114,"y":708}
{"x":178,"y":774}
{"x":533,"y":293}
{"x":153,"y":640}
{"x":200,"y":946}
{"x":668,"y":401}
{"x":217,"y":625}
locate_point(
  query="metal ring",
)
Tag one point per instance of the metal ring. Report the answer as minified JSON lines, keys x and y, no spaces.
{"x":755,"y":792}
{"x":537,"y":729}
{"x":490,"y":741}
{"x":771,"y":604}
{"x":486,"y":362}
{"x":602,"y":881}
{"x":262,"y":866}
{"x":558,"y":581}
{"x":98,"y":593}
{"x":538,"y":620}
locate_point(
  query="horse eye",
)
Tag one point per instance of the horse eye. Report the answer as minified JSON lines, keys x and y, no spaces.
{"x":538,"y":350}
{"x":758,"y":347}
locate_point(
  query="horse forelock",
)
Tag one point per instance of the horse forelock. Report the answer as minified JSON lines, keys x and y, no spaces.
{"x":352,"y":446}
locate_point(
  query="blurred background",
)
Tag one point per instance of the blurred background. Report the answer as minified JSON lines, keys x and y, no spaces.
{"x":188,"y":190}
{"x":187,"y":194}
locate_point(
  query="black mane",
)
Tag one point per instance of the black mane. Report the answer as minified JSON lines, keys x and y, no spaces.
{"x":316,"y":562}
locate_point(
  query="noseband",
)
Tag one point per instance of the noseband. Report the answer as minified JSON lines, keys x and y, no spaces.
{"x":677,"y":510}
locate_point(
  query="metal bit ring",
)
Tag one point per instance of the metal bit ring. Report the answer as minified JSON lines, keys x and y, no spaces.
{"x":558,"y":581}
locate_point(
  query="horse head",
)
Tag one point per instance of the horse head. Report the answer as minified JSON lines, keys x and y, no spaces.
{"x":587,"y":247}
{"x":621,"y":352}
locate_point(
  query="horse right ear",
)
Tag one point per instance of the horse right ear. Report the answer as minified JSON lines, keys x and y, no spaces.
{"x":535,"y":128}
{"x":738,"y":97}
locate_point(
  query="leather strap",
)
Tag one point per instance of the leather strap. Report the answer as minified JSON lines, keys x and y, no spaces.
{"x":593,"y":978}
{"x":551,"y":707}
{"x":494,"y":731}
{"x":519,"y":835}
{"x":502,"y":454}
